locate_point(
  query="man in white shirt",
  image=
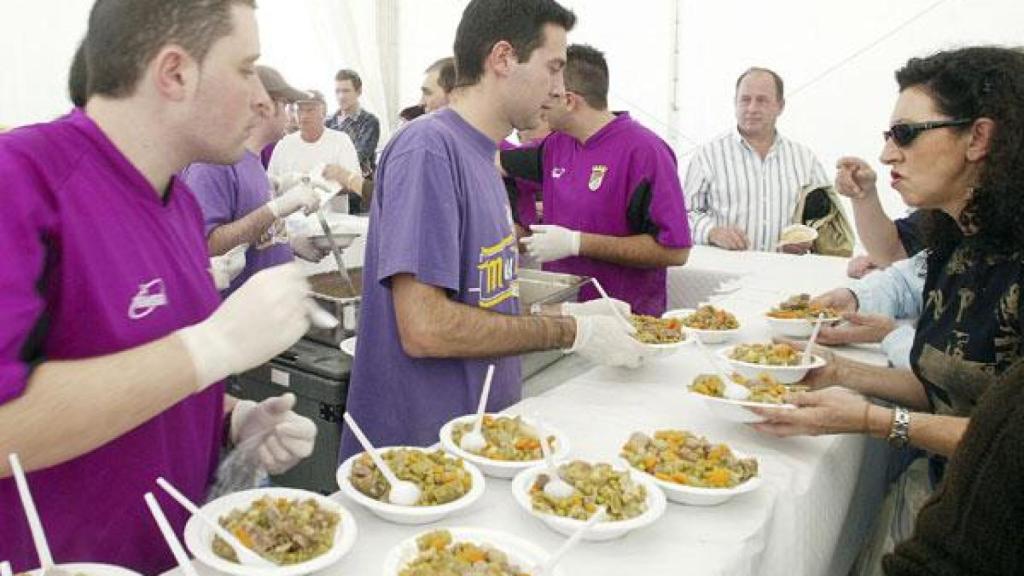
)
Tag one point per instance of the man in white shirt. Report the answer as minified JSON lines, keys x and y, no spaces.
{"x":315,"y":150}
{"x":743,"y":187}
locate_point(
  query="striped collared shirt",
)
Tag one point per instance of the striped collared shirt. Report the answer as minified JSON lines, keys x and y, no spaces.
{"x":728,"y":184}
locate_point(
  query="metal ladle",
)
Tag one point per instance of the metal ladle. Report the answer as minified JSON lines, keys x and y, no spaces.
{"x":317,"y":184}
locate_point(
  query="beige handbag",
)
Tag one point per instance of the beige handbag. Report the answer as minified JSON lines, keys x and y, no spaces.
{"x":819,"y":207}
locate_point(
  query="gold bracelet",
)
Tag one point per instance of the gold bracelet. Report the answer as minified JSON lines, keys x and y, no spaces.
{"x":867,"y":412}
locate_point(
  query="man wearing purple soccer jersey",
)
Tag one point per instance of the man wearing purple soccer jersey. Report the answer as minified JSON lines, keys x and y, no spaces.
{"x":613,"y":205}
{"x":112,"y":344}
{"x":440,"y":292}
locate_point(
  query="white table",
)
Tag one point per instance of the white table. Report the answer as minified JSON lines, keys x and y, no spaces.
{"x":808,"y":518}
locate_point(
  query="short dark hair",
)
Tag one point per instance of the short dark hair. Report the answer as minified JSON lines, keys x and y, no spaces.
{"x":445,"y":68}
{"x":980,"y":82}
{"x":351,"y":76}
{"x":586,"y":73}
{"x":779,"y":89}
{"x":78,"y":78}
{"x":519,"y":22}
{"x":125,"y":35}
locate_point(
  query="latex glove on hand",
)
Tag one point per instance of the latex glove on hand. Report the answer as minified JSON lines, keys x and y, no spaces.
{"x":280,"y":437}
{"x":597,"y":307}
{"x":228,"y":266}
{"x":266,"y":315}
{"x":605,"y":340}
{"x":285,"y":182}
{"x":549,"y":242}
{"x":301,"y":196}
{"x":304,"y":248}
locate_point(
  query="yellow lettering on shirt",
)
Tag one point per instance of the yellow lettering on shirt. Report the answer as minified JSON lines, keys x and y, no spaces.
{"x":497,"y":272}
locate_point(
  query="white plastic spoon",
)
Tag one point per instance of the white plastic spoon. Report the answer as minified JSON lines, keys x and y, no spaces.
{"x":402,"y":493}
{"x":245,"y":555}
{"x":556,"y":487}
{"x":474,"y":441}
{"x":29,"y":505}
{"x":732,"y":391}
{"x":615,"y":309}
{"x":807,"y":357}
{"x":548,"y":567}
{"x":172,"y":541}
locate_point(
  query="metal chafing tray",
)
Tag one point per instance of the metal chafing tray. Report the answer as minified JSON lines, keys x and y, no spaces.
{"x":535,"y":286}
{"x":538,"y":286}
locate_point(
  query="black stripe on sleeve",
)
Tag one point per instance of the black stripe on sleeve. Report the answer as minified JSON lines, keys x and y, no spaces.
{"x":638,"y":214}
{"x":525,"y":163}
{"x":31,"y":352}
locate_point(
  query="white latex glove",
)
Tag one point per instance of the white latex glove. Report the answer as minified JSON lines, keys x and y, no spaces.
{"x":549,"y":242}
{"x":304,"y":248}
{"x":280,"y":437}
{"x":285,"y":182}
{"x":221,"y":277}
{"x":597,"y":307}
{"x":228,"y":266}
{"x":266,"y":315}
{"x":605,"y":340}
{"x":299,"y":197}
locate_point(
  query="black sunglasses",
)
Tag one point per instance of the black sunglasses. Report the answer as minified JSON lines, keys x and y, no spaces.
{"x":904,"y":134}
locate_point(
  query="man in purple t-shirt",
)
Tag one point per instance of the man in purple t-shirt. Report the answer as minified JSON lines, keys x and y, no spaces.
{"x":440,"y":293}
{"x":237,"y":200}
{"x":112,"y":344}
{"x":613,"y":205}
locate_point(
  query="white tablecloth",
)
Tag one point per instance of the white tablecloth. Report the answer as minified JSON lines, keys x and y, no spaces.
{"x":808,"y":518}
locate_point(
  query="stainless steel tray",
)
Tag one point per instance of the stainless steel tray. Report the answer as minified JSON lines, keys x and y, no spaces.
{"x":545,"y":288}
{"x":535,"y":286}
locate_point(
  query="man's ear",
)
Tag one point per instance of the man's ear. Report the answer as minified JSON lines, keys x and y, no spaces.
{"x":982,"y":132}
{"x":501,"y":58}
{"x":175,"y":73}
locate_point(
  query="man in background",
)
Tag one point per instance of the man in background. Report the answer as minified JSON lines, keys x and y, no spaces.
{"x":743,"y":187}
{"x":361,"y":126}
{"x":438,"y":83}
{"x":315,"y":150}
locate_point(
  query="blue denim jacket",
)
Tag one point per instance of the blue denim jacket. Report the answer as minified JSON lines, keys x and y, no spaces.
{"x":898,"y":292}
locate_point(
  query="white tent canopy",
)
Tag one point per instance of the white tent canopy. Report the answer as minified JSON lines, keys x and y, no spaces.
{"x":673,"y":62}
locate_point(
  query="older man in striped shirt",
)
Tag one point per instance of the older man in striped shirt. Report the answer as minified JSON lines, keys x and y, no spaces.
{"x":743,"y":187}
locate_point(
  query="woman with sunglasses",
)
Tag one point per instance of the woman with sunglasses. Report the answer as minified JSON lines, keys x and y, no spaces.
{"x":956,"y":148}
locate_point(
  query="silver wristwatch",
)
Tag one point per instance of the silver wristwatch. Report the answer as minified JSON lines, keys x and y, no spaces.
{"x":899,"y":433}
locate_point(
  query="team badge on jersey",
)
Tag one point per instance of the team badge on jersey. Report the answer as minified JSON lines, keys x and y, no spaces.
{"x":597,"y":176}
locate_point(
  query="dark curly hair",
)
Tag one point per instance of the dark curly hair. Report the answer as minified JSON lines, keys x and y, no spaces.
{"x":980,"y":82}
